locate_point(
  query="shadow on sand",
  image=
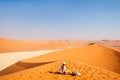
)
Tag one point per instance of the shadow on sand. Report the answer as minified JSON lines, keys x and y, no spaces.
{"x":20,"y":66}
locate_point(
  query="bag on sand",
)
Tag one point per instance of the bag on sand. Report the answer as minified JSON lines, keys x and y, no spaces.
{"x":76,"y":73}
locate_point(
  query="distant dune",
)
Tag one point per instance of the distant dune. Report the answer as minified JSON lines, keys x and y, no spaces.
{"x":9,"y":45}
{"x":94,"y":61}
{"x":111,"y":43}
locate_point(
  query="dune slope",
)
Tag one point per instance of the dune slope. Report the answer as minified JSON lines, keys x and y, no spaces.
{"x":9,"y":45}
{"x":48,"y":72}
{"x":96,"y":55}
{"x":20,"y":66}
{"x":95,"y":62}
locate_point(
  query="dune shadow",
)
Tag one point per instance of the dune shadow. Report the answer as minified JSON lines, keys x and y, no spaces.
{"x":20,"y":66}
{"x":58,"y":73}
{"x":91,"y":43}
{"x":117,"y":54}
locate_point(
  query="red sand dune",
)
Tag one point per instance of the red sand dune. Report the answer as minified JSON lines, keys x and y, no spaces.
{"x":96,"y":55}
{"x":111,"y":43}
{"x":95,"y":62}
{"x":47,"y":72}
{"x":9,"y":45}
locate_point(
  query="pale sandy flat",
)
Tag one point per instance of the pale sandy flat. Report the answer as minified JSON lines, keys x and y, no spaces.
{"x":8,"y":59}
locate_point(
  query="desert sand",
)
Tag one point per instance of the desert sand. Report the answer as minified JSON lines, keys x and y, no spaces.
{"x":111,"y":43}
{"x":10,"y":45}
{"x":8,"y":59}
{"x":93,"y":61}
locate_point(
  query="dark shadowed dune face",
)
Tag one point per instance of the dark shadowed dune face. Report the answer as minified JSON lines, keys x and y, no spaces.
{"x":91,"y":43}
{"x":20,"y":66}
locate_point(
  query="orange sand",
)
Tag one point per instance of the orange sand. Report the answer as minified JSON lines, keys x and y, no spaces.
{"x":96,"y":55}
{"x":47,"y":72}
{"x":95,"y":62}
{"x":9,"y":45}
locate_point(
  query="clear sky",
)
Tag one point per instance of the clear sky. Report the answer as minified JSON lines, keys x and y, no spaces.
{"x":60,"y":19}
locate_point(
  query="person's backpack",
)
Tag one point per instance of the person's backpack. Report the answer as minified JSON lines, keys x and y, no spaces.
{"x":76,"y":73}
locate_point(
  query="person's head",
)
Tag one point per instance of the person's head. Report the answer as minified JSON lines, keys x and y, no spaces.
{"x":64,"y":63}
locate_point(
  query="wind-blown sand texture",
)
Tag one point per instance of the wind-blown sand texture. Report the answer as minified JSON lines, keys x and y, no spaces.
{"x":95,"y":62}
{"x":47,"y":72}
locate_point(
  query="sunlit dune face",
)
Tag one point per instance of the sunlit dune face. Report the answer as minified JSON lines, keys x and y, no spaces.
{"x":8,"y":45}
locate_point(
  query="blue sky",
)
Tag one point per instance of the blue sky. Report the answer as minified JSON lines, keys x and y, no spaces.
{"x":60,"y":19}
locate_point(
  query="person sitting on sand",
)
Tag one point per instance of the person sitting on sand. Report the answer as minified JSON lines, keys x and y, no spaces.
{"x":62,"y":69}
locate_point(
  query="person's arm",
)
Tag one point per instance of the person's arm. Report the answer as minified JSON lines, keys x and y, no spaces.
{"x":60,"y":70}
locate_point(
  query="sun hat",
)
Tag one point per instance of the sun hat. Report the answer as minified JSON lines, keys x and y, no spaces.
{"x":64,"y":63}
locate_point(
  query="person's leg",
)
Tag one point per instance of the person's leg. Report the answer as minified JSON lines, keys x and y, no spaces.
{"x":64,"y":73}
